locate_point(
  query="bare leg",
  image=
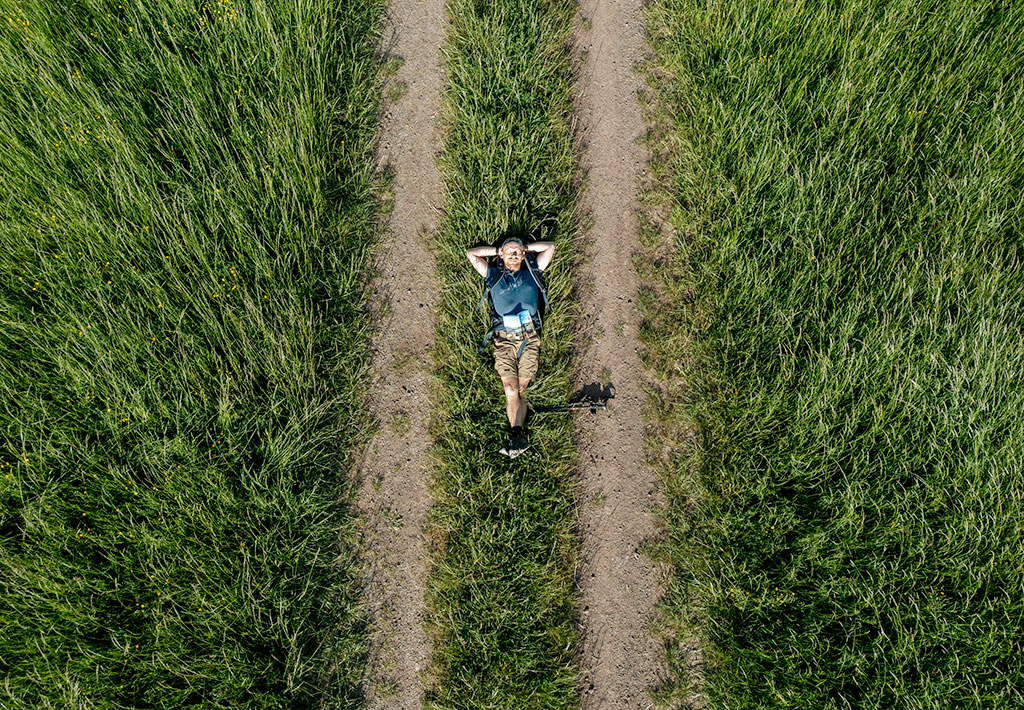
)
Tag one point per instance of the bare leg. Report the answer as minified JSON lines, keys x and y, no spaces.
{"x":523,"y":384}
{"x":515,"y":406}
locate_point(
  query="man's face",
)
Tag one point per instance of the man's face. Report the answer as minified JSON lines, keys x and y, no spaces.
{"x":512,"y":256}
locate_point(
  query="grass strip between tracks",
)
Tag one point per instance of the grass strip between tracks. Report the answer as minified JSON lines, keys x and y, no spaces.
{"x":841,"y":322}
{"x":187,"y":212}
{"x":501,"y":591}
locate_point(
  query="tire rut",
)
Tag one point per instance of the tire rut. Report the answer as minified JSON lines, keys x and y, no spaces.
{"x":621,"y":662}
{"x":394,"y":496}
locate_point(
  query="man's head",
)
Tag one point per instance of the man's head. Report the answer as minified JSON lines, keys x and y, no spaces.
{"x":512,"y":251}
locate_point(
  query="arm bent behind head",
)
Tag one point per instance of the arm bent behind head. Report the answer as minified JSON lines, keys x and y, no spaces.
{"x":478,"y":258}
{"x":544,"y":251}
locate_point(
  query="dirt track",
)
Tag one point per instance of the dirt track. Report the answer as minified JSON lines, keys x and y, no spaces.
{"x":619,"y":586}
{"x":394,"y":498}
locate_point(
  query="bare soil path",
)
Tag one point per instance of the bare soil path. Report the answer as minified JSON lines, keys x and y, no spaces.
{"x":620,"y":586}
{"x":394,"y":498}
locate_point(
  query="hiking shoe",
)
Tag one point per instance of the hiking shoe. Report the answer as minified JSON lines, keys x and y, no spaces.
{"x":517,"y":446}
{"x":507,"y":449}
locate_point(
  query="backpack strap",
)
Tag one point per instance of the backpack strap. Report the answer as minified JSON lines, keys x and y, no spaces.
{"x":519,"y":352}
{"x":488,"y":287}
{"x":543,"y":293}
{"x":483,"y":343}
{"x":483,"y":299}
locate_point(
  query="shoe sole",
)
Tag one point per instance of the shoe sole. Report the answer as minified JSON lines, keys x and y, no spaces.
{"x":517,"y":452}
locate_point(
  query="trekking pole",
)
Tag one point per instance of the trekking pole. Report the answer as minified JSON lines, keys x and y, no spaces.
{"x":575,"y":406}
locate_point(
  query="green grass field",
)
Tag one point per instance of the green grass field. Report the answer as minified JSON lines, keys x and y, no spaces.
{"x":187,"y":207}
{"x":501,"y":591}
{"x":187,"y":213}
{"x":842,"y":319}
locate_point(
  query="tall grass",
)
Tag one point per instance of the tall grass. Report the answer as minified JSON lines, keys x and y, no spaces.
{"x":846,"y":183}
{"x":501,"y":593}
{"x":187,"y":206}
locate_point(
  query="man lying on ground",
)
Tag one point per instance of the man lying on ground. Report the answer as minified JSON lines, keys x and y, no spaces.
{"x":515,"y":287}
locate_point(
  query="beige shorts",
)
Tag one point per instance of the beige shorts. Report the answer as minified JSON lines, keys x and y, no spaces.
{"x":505,"y":361}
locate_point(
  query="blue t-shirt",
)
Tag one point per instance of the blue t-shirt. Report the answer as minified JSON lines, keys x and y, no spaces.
{"x":515,"y":293}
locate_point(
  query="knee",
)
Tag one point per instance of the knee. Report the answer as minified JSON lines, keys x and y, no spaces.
{"x":512,"y":392}
{"x":523,"y":384}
